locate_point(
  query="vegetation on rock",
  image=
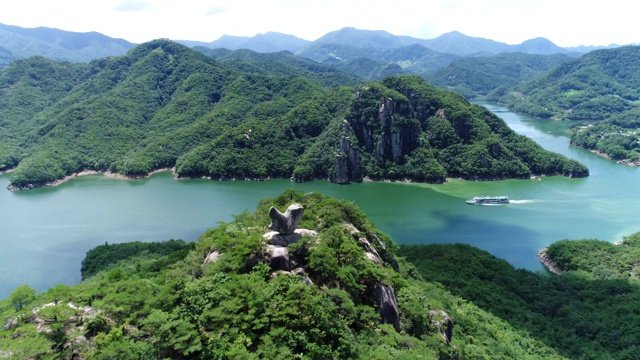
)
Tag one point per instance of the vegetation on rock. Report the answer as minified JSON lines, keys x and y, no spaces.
{"x":246,"y":115}
{"x":238,"y":306}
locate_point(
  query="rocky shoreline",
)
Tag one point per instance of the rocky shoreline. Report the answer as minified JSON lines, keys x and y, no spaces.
{"x":548,"y":263}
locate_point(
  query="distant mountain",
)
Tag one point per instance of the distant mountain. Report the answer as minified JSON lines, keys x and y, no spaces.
{"x":57,"y":44}
{"x":462,"y":45}
{"x":264,"y":43}
{"x":479,"y":76}
{"x":593,"y":87}
{"x":408,"y":59}
{"x":370,"y":39}
{"x":540,"y":45}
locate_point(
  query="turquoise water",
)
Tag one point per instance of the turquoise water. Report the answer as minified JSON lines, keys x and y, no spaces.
{"x":45,"y":233}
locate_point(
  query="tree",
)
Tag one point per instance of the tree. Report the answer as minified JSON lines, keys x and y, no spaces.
{"x":20,"y":297}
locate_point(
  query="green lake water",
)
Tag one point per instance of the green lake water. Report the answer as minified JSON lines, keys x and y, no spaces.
{"x":45,"y":233}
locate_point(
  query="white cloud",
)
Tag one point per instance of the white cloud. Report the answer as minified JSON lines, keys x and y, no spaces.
{"x":133,"y":5}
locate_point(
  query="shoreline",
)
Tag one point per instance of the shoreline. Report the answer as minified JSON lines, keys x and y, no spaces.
{"x":86,"y":173}
{"x":548,"y":263}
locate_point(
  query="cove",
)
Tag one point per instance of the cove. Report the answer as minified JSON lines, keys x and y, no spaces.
{"x":45,"y":233}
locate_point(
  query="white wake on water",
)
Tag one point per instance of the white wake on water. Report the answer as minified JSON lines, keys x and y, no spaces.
{"x":521,"y":201}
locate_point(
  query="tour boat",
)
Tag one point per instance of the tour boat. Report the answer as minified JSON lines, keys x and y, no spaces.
{"x":488,"y":200}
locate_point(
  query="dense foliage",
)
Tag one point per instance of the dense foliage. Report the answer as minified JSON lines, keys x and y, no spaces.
{"x":478,"y":76}
{"x":616,"y":137}
{"x":105,"y":256}
{"x":587,"y":313}
{"x":593,"y":87}
{"x":237,"y":307}
{"x":599,"y":259}
{"x":246,"y":115}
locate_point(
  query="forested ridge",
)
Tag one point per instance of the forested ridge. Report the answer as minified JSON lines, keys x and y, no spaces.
{"x":479,"y":76}
{"x":224,"y":298}
{"x":247,"y":115}
{"x":589,"y":312}
{"x":595,"y":86}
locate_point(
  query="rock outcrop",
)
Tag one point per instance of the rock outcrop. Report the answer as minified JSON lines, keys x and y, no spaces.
{"x":347,"y":163}
{"x":442,"y":323}
{"x":387,"y":305}
{"x":286,"y":223}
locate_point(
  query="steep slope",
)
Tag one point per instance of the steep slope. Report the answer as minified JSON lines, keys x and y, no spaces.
{"x":593,"y":87}
{"x":234,"y":294}
{"x":478,"y":76}
{"x":586,"y":313}
{"x":58,"y":44}
{"x":404,"y":128}
{"x":165,"y":105}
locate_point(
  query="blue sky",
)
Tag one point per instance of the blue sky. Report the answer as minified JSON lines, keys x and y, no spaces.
{"x":565,"y":22}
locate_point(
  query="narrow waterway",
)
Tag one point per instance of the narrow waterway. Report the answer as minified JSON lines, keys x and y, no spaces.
{"x":45,"y":233}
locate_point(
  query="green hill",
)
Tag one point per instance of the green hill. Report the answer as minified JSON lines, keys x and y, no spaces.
{"x":479,"y":76}
{"x":229,"y":296}
{"x":247,"y":115}
{"x":618,"y":137}
{"x":595,"y":86}
{"x":590,"y":312}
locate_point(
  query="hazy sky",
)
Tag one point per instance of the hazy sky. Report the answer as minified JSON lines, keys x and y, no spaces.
{"x":565,"y":22}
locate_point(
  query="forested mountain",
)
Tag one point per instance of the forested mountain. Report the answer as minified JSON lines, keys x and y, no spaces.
{"x":17,"y":42}
{"x":593,"y":87}
{"x":617,"y":137}
{"x":342,"y":290}
{"x":338,"y":292}
{"x":165,"y":105}
{"x":264,"y":43}
{"x":589,"y":312}
{"x":479,"y":76}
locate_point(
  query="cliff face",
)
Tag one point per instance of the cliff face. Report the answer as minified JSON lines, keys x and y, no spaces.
{"x":404,"y":128}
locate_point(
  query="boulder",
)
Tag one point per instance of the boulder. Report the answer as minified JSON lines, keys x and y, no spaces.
{"x":278,"y":257}
{"x":442,"y":323}
{"x":276,"y":238}
{"x":286,"y":223}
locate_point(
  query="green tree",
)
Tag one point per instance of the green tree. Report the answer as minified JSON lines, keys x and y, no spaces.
{"x":20,"y":297}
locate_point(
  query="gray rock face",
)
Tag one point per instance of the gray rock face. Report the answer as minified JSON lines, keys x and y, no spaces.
{"x":387,"y":305}
{"x":211,"y":258}
{"x":279,"y":258}
{"x":288,"y":222}
{"x":11,"y":322}
{"x":347,"y":164}
{"x":442,"y":323}
{"x":275,"y":238}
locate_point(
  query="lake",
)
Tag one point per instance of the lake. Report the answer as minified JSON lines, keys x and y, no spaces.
{"x":45,"y":233}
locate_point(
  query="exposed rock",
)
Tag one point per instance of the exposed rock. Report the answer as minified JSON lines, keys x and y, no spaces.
{"x":11,"y":322}
{"x":275,"y":238}
{"x":549,"y":263}
{"x":285,"y":223}
{"x":278,"y":257}
{"x":298,"y":271}
{"x":347,"y":163}
{"x":442,"y":323}
{"x":211,"y":258}
{"x":387,"y":305}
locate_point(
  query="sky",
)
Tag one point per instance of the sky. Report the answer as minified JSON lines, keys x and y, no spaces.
{"x":565,"y":22}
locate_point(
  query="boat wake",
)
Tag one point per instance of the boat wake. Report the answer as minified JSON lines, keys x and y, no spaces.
{"x":521,"y":201}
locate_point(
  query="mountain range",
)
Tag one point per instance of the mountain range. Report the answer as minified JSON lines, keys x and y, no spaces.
{"x":341,"y":47}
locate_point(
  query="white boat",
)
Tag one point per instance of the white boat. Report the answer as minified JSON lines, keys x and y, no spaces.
{"x":488,"y":200}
